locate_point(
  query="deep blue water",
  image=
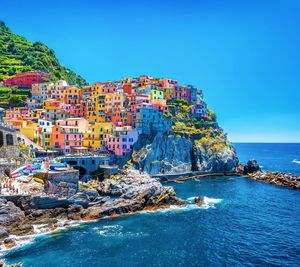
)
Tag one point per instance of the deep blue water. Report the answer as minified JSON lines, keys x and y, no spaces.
{"x":271,"y":157}
{"x":245,"y":223}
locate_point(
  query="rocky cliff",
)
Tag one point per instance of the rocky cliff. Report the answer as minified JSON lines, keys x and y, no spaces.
{"x":184,"y":144}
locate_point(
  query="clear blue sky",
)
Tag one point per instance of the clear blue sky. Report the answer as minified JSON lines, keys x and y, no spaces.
{"x":245,"y":55}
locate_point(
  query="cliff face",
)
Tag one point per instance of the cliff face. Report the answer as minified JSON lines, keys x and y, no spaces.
{"x":184,"y":146}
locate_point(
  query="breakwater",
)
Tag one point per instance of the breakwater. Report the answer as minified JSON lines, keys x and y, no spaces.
{"x":281,"y":179}
{"x":169,"y":177}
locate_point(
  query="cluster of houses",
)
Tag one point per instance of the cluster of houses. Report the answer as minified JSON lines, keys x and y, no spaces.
{"x":104,"y":116}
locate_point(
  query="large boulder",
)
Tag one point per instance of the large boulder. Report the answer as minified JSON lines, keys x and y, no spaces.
{"x":3,"y":234}
{"x":251,"y":167}
{"x":10,"y":213}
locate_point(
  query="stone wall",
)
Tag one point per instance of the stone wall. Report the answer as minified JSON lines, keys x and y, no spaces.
{"x":10,"y":159}
{"x":39,"y":202}
{"x":7,"y":136}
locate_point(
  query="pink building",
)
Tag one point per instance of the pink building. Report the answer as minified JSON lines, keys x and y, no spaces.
{"x":122,"y":140}
{"x":183,"y":92}
{"x":68,"y":135}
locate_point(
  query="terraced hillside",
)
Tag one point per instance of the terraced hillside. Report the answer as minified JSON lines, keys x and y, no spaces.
{"x":19,"y":55}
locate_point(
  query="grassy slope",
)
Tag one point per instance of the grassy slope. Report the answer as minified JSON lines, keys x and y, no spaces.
{"x":19,"y":55}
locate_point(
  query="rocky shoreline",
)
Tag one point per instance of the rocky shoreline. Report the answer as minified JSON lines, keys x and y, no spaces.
{"x":253,"y":171}
{"x":124,"y":193}
{"x":277,"y":178}
{"x":2,"y":264}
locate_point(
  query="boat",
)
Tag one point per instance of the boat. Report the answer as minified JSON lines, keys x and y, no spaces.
{"x":60,"y":168}
{"x":57,"y":166}
{"x":39,"y":180}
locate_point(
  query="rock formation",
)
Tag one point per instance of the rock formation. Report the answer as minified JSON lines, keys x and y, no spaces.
{"x":245,"y":169}
{"x":126,"y":192}
{"x":173,"y":150}
{"x":2,"y":264}
{"x":135,"y":192}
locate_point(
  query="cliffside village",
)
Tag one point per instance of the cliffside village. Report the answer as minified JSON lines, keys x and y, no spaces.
{"x":104,"y":116}
{"x":87,"y":127}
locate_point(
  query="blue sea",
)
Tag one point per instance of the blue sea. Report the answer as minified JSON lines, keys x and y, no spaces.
{"x":243,"y":223}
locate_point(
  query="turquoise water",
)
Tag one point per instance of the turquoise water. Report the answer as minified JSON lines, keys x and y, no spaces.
{"x":244,"y":223}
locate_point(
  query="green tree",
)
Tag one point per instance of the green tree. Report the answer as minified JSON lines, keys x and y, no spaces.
{"x":15,"y":101}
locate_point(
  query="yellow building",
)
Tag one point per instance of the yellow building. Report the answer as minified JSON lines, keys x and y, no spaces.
{"x":156,"y":94}
{"x":29,"y":129}
{"x":72,"y":95}
{"x":97,"y":135}
{"x":96,"y":104}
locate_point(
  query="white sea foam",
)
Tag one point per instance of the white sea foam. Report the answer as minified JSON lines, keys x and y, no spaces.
{"x":116,"y":231}
{"x":110,"y":230}
{"x":210,"y":202}
{"x":296,"y":161}
{"x":21,"y":241}
{"x":39,"y":230}
{"x":190,"y":205}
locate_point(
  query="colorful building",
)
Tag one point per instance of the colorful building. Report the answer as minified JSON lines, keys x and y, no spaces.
{"x":39,"y":91}
{"x":44,"y":134}
{"x":156,"y":94}
{"x":96,"y":137}
{"x":148,"y":118}
{"x":199,"y":110}
{"x":68,"y":135}
{"x":27,"y":79}
{"x":122,"y":140}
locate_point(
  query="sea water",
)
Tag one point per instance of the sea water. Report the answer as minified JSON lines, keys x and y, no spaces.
{"x":242,"y":223}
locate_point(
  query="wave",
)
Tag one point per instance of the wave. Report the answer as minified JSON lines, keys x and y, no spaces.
{"x":39,"y":230}
{"x":296,"y":161}
{"x":190,"y":205}
{"x":206,"y":202}
{"x":116,"y":231}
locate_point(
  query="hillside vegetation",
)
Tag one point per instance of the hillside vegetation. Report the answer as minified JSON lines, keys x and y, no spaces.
{"x":19,"y":55}
{"x":13,"y":97}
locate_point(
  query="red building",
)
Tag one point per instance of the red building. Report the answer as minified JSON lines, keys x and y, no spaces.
{"x":127,"y":89}
{"x":26,"y":79}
